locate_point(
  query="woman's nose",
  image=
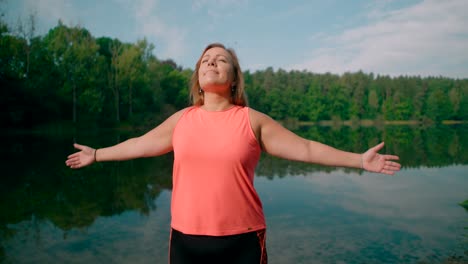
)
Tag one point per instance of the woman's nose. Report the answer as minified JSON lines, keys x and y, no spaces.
{"x":212,"y":62}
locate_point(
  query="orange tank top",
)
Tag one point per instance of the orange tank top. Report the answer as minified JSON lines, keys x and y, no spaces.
{"x":215,"y":155}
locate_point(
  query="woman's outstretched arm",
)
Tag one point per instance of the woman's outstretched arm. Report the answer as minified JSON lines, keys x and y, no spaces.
{"x":156,"y":142}
{"x":279,"y":141}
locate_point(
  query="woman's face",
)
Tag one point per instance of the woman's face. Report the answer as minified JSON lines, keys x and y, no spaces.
{"x":216,"y":72}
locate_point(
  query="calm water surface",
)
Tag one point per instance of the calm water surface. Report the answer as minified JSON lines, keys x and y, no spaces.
{"x":119,"y":212}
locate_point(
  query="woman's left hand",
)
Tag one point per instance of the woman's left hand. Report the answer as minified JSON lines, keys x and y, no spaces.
{"x":375,"y":162}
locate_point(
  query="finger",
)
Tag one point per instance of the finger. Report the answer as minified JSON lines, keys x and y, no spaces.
{"x":393,"y":164}
{"x":76,"y":164}
{"x":71,"y":162}
{"x":73,"y":159}
{"x":78,"y":146}
{"x":74,"y":155}
{"x":396,"y":166}
{"x":391,"y":157}
{"x":378,"y":147}
{"x":391,"y":168}
{"x":388,"y":172}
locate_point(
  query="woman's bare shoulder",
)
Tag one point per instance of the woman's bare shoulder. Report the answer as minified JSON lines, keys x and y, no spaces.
{"x":174,"y":118}
{"x":258,"y":121}
{"x":258,"y":117}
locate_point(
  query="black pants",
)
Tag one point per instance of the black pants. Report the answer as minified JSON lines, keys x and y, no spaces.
{"x":243,"y":248}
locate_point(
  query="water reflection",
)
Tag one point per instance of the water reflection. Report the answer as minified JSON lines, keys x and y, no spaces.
{"x":129,"y":237}
{"x":52,"y":212}
{"x":368,"y":218}
{"x":436,"y":146}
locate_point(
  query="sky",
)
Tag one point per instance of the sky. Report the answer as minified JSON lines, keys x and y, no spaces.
{"x":386,"y":37}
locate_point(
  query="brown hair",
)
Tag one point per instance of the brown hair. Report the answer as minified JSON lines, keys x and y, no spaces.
{"x":238,"y":94}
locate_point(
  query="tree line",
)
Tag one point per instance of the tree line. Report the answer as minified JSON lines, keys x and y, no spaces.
{"x":69,"y":76}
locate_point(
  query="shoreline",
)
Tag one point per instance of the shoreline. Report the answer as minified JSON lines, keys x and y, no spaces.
{"x":369,"y":123}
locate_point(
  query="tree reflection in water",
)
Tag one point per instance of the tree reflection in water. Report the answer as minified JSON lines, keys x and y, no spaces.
{"x":36,"y":186}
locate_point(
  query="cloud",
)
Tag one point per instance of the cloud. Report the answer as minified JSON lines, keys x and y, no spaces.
{"x":52,"y":9}
{"x":216,"y":4}
{"x":48,"y":11}
{"x":218,"y":9}
{"x":429,"y":38}
{"x":170,"y":40}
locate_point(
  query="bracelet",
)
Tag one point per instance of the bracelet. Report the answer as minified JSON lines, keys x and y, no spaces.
{"x":95,"y":151}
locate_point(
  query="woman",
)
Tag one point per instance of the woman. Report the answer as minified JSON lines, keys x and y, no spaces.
{"x":216,"y":214}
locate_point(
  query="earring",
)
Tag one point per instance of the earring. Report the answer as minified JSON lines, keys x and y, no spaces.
{"x":200,"y":91}
{"x":233,"y":89}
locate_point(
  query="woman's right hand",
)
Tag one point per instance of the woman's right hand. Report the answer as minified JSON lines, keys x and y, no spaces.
{"x":82,"y":158}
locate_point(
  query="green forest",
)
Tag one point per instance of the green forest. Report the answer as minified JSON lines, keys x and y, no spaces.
{"x":70,"y":77}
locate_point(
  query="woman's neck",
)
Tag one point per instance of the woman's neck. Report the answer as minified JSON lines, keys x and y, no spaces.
{"x":216,"y":102}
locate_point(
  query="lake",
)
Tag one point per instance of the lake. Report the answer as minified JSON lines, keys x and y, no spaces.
{"x":119,"y":212}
